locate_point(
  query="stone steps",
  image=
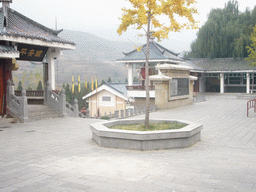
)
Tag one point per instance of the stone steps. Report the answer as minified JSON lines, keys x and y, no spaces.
{"x":40,"y":112}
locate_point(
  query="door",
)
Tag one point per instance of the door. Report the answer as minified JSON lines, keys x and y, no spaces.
{"x":2,"y":90}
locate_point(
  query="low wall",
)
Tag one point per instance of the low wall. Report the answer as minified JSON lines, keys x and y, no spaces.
{"x":245,"y":96}
{"x":145,"y":140}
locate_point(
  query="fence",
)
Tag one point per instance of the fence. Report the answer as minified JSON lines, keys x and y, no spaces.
{"x":119,"y":114}
{"x":59,"y":103}
{"x":17,"y":106}
{"x":251,"y":104}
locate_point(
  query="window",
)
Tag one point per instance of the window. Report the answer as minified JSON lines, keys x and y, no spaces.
{"x":106,"y":98}
{"x":179,"y":87}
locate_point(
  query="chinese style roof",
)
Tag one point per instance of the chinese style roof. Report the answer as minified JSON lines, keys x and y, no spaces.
{"x":17,"y":25}
{"x":219,"y":64}
{"x":8,"y":52}
{"x":156,"y":53}
{"x":7,"y":49}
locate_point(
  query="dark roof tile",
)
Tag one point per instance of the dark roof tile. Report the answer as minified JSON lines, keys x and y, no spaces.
{"x":7,"y":49}
{"x":19,"y":25}
{"x":156,"y":52}
{"x":220,"y":64}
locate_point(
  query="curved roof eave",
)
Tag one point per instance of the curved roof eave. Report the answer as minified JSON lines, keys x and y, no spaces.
{"x":36,"y":42}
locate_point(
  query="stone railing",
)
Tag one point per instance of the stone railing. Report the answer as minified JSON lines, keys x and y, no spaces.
{"x":58,"y":102}
{"x":139,"y":87}
{"x":120,"y":114}
{"x":30,"y":93}
{"x":17,"y":106}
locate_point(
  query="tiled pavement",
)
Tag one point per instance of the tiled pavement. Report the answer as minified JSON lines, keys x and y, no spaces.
{"x":59,"y":155}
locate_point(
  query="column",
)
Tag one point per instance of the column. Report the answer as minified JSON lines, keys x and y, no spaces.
{"x":130,"y":80}
{"x":222,"y":83}
{"x":52,"y":53}
{"x":247,"y":82}
{"x":51,"y":68}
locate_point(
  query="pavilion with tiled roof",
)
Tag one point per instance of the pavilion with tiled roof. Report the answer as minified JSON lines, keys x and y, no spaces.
{"x":21,"y":38}
{"x":157,"y":54}
{"x":176,"y":71}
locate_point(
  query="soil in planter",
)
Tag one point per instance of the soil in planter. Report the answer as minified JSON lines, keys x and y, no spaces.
{"x":152,"y":126}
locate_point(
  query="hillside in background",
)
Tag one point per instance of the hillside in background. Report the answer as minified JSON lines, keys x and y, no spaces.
{"x":90,"y":47}
{"x":93,"y":56}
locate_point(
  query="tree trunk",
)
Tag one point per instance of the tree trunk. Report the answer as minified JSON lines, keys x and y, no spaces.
{"x":146,"y":74}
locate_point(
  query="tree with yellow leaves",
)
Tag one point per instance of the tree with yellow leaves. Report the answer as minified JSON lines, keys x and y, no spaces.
{"x":252,"y":53}
{"x":252,"y":49}
{"x":145,"y":12}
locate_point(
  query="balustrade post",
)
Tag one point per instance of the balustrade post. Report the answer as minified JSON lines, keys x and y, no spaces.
{"x":126,"y":112}
{"x":117,"y":114}
{"x":88,"y":113}
{"x":135,"y":111}
{"x":131,"y":112}
{"x":24,"y":107}
{"x":76,"y":107}
{"x":63,"y":103}
{"x":122,"y":113}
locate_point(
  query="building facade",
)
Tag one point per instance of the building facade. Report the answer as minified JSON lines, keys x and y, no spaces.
{"x":223,"y":75}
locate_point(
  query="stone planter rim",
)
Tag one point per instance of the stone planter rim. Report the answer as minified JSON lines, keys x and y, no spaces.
{"x":102,"y":131}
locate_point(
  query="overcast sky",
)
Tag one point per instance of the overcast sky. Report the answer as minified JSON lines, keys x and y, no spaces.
{"x":100,"y":17}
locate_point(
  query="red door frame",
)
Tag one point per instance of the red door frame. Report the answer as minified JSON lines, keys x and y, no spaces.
{"x":2,"y":89}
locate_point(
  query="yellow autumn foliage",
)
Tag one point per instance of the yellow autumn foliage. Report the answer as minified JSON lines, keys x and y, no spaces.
{"x":142,"y":9}
{"x":252,"y":49}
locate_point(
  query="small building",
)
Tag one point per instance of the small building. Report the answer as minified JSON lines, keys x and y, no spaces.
{"x":105,"y":100}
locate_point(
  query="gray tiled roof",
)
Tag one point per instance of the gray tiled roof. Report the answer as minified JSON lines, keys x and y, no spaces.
{"x":18,"y":25}
{"x":220,"y":64}
{"x":156,"y":52}
{"x":120,"y":87}
{"x":7,"y":49}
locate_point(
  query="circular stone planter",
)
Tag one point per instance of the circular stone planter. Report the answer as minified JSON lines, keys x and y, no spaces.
{"x":145,"y":140}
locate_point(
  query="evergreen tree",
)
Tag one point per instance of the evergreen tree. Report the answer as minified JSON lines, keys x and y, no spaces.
{"x":19,"y":86}
{"x":109,"y":80}
{"x":102,"y":82}
{"x":39,"y":86}
{"x":68,"y":93}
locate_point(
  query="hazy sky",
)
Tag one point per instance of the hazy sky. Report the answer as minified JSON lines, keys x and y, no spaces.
{"x":100,"y":17}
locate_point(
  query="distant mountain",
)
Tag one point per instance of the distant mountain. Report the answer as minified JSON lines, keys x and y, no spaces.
{"x":90,"y":47}
{"x":93,"y":56}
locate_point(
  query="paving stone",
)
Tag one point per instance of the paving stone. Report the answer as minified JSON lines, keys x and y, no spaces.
{"x":59,"y":155}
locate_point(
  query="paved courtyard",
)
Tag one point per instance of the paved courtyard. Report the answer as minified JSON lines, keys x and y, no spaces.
{"x":59,"y":155}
